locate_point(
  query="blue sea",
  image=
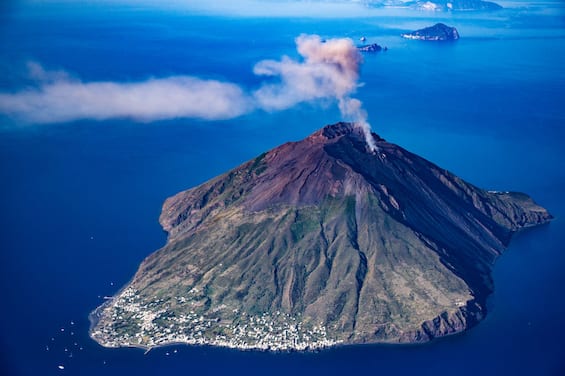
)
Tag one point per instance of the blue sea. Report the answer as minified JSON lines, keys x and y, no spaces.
{"x":79,"y":201}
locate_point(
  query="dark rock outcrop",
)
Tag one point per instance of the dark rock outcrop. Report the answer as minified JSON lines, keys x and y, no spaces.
{"x":374,"y":47}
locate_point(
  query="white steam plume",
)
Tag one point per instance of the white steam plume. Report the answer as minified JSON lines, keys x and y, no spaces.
{"x":329,"y":71}
{"x":155,"y":99}
{"x":352,"y":108}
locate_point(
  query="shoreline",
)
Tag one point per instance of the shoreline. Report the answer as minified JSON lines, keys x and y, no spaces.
{"x":148,"y":349}
{"x":472,"y":311}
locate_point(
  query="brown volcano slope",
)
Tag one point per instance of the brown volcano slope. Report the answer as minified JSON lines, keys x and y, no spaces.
{"x":315,"y":243}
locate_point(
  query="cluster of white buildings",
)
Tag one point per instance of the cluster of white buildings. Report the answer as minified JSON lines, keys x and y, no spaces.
{"x":128,"y":321}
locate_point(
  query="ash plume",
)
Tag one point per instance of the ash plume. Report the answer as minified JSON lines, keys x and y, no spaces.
{"x":328,"y":71}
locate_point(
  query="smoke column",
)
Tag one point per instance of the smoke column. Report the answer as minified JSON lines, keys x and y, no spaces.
{"x":330,"y":70}
{"x":352,"y":108}
{"x":327,"y":71}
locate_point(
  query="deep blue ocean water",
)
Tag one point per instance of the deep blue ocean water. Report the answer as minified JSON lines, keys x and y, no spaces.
{"x":80,"y":201}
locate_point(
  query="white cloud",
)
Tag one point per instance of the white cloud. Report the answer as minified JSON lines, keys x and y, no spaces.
{"x":330,"y":70}
{"x":63,"y":99}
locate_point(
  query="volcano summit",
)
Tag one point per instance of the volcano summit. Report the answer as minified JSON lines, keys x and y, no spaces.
{"x":317,"y":243}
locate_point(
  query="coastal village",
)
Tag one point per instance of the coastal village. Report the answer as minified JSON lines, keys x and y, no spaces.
{"x":127,"y":321}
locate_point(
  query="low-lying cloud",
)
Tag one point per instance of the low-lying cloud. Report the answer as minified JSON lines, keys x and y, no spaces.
{"x":65,"y":100}
{"x":328,"y":71}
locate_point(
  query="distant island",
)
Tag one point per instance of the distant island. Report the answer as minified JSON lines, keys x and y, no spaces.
{"x":437,"y":32}
{"x":456,"y":5}
{"x":318,"y":243}
{"x":438,"y":5}
{"x":374,"y":47}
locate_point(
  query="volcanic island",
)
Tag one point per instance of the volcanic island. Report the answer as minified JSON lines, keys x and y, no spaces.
{"x":318,"y":243}
{"x":437,"y":32}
